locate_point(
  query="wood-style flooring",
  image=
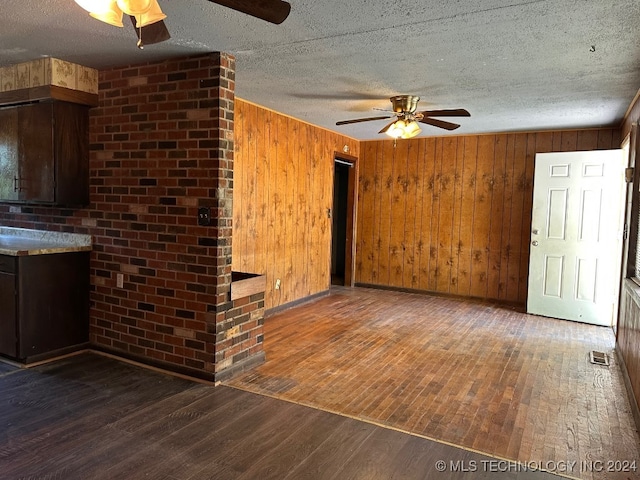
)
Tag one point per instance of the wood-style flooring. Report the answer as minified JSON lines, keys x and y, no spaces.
{"x":477,"y":375}
{"x":91,"y":417}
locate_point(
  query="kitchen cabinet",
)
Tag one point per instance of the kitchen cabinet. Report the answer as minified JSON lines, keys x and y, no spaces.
{"x":8,"y":333}
{"x":44,"y":305}
{"x":44,"y":153}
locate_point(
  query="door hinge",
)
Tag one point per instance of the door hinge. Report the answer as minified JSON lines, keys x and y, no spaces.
{"x":625,"y":232}
{"x":628,"y":174}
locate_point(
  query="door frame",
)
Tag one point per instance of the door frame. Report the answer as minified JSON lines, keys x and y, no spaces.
{"x":352,"y":201}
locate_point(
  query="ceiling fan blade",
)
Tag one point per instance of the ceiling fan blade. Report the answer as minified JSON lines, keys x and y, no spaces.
{"x":454,"y":112}
{"x":274,"y":11}
{"x":439,"y":123}
{"x":358,"y":120}
{"x":154,"y":33}
{"x":387,"y":127}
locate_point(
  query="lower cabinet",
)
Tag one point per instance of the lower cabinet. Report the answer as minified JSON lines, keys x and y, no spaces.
{"x":8,"y":330}
{"x":44,"y":305}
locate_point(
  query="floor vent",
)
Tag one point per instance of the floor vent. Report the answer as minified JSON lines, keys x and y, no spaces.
{"x":599,"y":358}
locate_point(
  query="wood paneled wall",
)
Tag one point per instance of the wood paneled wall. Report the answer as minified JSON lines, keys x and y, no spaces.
{"x":283,"y":188}
{"x":628,"y":333}
{"x":453,"y":214}
{"x":628,"y":342}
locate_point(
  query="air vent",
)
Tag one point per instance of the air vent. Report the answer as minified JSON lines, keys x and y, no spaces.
{"x":599,"y":358}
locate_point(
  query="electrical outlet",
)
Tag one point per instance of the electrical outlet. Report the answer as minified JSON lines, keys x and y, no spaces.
{"x":204,"y":216}
{"x":277,"y":284}
{"x":120,"y":280}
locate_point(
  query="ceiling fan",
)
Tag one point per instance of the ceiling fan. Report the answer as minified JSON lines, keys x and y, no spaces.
{"x":406,"y":118}
{"x":148,"y":19}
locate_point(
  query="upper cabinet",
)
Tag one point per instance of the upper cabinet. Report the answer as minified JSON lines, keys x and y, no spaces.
{"x":44,"y":153}
{"x":44,"y":132}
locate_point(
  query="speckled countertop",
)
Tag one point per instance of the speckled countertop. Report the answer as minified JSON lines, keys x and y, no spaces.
{"x":22,"y":241}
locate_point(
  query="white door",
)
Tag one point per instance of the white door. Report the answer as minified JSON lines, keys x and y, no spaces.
{"x":576,"y":235}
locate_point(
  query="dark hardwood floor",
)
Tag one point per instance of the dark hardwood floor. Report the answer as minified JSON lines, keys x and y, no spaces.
{"x":92,"y":417}
{"x":482,"y":376}
{"x":6,"y":368}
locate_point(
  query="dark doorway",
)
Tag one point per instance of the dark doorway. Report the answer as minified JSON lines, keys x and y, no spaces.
{"x":339,"y":218}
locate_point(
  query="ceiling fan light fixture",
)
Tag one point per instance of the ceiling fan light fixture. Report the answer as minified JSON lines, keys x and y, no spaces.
{"x":135,"y":7}
{"x":96,"y":6}
{"x":153,"y":15}
{"x":411,"y":129}
{"x":396,"y":129}
{"x":403,"y":128}
{"x":112,"y":17}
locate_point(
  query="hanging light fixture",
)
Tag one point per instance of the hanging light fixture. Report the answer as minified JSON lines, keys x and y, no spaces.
{"x":411,"y":129}
{"x":403,"y":128}
{"x":113,"y":16}
{"x":135,"y":7}
{"x":146,"y":12}
{"x":153,"y":15}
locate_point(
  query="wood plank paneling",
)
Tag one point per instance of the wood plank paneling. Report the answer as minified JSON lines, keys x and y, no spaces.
{"x":411,"y":255}
{"x":458,"y":220}
{"x":283,"y":171}
{"x":398,"y":214}
{"x":496,"y":187}
{"x":366,"y":266}
{"x":426,"y":201}
{"x":465,"y":249}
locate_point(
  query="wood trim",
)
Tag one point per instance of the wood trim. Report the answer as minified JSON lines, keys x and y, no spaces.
{"x":630,"y":108}
{"x":352,"y":219}
{"x":47,"y":92}
{"x":506,"y":303}
{"x":295,"y":303}
{"x":629,"y":268}
{"x":509,"y":132}
{"x":154,"y":363}
{"x":247,"y":286}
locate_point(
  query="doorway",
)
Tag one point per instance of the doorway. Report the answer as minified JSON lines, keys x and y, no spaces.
{"x":342,"y":222}
{"x":576,"y":236}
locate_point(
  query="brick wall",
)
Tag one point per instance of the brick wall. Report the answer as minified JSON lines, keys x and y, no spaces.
{"x":240,"y":335}
{"x":161,"y":147}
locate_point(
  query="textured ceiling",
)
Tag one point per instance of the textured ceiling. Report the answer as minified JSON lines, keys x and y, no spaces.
{"x":514,"y":64}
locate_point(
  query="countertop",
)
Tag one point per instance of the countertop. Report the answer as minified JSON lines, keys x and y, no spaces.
{"x":23,"y":241}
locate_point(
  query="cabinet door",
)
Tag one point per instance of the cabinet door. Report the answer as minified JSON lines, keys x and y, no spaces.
{"x":8,"y":154}
{"x":71,"y":141}
{"x":8,"y":333}
{"x":36,"y":162}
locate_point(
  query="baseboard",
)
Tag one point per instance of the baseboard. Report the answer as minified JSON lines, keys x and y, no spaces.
{"x":630,"y":393}
{"x":185,"y":372}
{"x":296,"y":303}
{"x":490,"y":301}
{"x":52,"y":355}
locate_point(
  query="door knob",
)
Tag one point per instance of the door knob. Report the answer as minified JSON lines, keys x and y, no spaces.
{"x":534,"y":243}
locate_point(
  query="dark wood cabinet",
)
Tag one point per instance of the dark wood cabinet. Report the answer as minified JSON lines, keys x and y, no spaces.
{"x":44,"y":153}
{"x":8,"y":153}
{"x":8,"y":299}
{"x":44,"y":305}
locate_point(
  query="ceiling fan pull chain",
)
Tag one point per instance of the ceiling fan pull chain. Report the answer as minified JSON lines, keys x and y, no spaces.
{"x":140,"y":45}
